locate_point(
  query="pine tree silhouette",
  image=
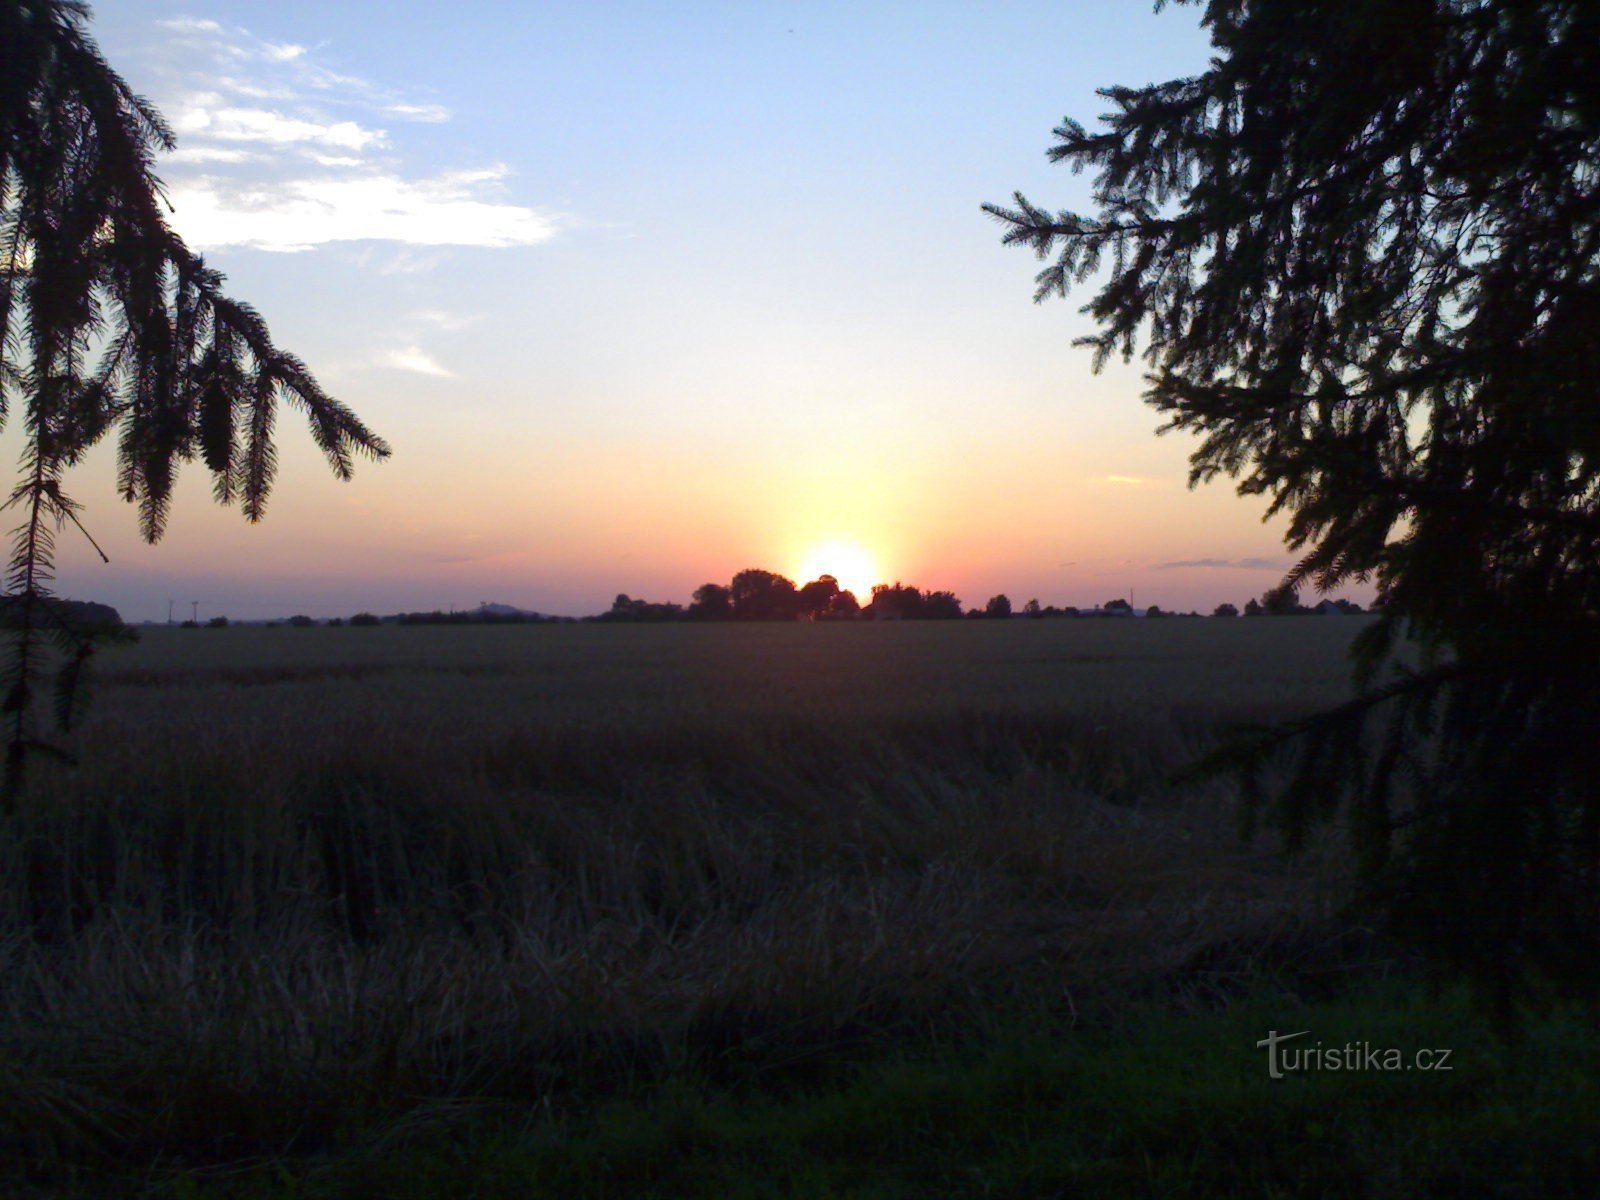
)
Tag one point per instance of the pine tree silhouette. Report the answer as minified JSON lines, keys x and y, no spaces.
{"x":108,"y":323}
{"x":1362,"y":254}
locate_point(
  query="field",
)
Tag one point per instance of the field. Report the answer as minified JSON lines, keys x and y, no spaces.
{"x":330,"y":895}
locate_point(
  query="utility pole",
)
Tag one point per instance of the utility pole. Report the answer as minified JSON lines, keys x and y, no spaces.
{"x":196,"y":609}
{"x":169,"y":612}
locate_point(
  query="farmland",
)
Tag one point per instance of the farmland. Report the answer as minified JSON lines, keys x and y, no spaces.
{"x":308,"y":884}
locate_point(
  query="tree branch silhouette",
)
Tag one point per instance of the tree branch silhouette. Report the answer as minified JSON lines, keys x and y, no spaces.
{"x":1360,"y":257}
{"x":109,"y":322}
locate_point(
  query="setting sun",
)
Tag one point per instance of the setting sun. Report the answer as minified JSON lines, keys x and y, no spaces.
{"x":847,"y":562}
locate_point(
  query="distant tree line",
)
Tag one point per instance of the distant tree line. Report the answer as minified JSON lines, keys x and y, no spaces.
{"x":54,"y":613}
{"x":1284,"y":601}
{"x":465,"y":617}
{"x":436,"y":617}
{"x":758,"y":595}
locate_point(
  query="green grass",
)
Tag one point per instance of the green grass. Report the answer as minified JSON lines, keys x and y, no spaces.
{"x":1152,"y":1104}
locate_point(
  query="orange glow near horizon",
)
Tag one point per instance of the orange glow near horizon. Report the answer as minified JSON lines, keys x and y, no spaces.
{"x":846,"y":561}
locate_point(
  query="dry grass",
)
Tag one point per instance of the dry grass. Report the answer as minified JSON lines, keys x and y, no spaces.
{"x":308,"y":879}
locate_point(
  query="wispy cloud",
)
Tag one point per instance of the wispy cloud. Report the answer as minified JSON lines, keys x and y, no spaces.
{"x":264,"y":125}
{"x":408,"y":261}
{"x":210,"y":154}
{"x":1237,"y":564}
{"x":298,"y":214}
{"x":438,"y":318}
{"x":284,"y":52}
{"x":278,"y":151}
{"x":189,"y":25}
{"x":415,"y":360}
{"x":431,"y":113}
{"x":1129,"y":480}
{"x":414,"y":328}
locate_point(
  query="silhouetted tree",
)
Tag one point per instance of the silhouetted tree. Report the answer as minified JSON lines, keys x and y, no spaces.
{"x":712,"y":602}
{"x":1252,"y":608}
{"x":1282,"y":601}
{"x":626,"y":608}
{"x":1363,"y":248}
{"x":903,"y":601}
{"x":365,"y":618}
{"x":816,"y":598}
{"x":1032,"y":609}
{"x":998,"y":606}
{"x":843,"y":606}
{"x":894,"y":601}
{"x":107,"y":321}
{"x":1225,"y":610}
{"x":1118,"y":605}
{"x":763,"y":596}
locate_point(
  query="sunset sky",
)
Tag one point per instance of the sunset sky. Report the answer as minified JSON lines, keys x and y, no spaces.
{"x":643,"y":294}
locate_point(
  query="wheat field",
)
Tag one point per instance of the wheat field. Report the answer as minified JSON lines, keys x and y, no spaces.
{"x":306,"y":879}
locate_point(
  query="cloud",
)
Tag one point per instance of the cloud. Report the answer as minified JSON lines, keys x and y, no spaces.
{"x":1127,"y":480}
{"x":279,"y":151}
{"x":210,"y":154}
{"x":408,"y":261}
{"x":449,"y":209}
{"x":432,"y":114}
{"x":415,"y":360}
{"x":439,"y":319}
{"x":265,"y":125}
{"x":189,"y":25}
{"x":1237,"y":564}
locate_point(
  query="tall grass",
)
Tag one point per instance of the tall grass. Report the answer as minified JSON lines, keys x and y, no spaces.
{"x":308,"y":880}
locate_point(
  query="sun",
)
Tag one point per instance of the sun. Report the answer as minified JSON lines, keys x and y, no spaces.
{"x":846,"y":561}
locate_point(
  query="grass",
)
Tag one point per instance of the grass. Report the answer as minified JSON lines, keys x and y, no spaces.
{"x":1148,"y":1104}
{"x":314,"y":887}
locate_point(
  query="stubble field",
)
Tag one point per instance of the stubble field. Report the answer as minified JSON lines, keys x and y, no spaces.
{"x":313,"y":882}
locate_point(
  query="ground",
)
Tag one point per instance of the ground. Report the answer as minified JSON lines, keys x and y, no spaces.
{"x":888,"y":909}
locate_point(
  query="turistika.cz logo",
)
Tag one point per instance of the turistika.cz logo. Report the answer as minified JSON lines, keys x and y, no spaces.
{"x":1307,"y":1057}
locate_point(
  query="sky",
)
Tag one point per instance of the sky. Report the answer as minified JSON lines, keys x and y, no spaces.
{"x":645,"y":294}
